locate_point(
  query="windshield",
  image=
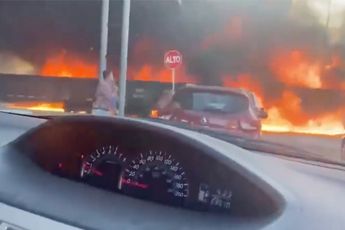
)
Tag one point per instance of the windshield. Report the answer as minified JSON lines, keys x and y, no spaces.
{"x":213,"y":102}
{"x":262,"y":70}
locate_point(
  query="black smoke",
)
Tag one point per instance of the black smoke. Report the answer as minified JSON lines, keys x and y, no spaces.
{"x":35,"y":29}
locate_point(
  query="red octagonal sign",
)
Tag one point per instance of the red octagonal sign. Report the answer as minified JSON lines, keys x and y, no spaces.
{"x":172,"y":59}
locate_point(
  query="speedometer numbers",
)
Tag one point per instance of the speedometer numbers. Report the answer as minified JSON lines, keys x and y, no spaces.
{"x":155,"y":176}
{"x":103,"y":167}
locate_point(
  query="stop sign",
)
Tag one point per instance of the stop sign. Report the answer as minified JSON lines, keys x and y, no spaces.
{"x":172,"y":59}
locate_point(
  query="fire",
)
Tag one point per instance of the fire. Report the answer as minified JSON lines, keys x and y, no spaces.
{"x":333,"y":71}
{"x":65,"y":64}
{"x":335,"y":62}
{"x":290,"y":107}
{"x":38,"y":106}
{"x":286,"y":114}
{"x":290,"y":68}
{"x":244,"y":81}
{"x":153,"y":52}
{"x":297,"y":49}
{"x":328,"y":124}
{"x":150,"y":73}
{"x":159,"y":74}
{"x":294,"y":68}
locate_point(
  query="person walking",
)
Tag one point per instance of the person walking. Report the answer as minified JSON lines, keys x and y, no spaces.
{"x":106,"y":97}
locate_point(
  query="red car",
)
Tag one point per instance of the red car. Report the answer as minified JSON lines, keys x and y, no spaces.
{"x":232,"y":110}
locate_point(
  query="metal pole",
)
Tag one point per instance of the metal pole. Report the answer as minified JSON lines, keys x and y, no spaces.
{"x":104,"y":39}
{"x":173,"y":80}
{"x":124,"y":53}
{"x":328,"y":13}
{"x":326,"y":42}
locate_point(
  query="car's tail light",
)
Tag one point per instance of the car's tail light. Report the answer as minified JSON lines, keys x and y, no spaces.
{"x":245,"y":125}
{"x":233,"y":124}
{"x":154,"y":113}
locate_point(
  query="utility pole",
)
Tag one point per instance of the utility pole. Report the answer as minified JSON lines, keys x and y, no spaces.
{"x":124,"y":54}
{"x":328,"y":13}
{"x":104,"y":39}
{"x":326,"y":38}
{"x":328,"y":18}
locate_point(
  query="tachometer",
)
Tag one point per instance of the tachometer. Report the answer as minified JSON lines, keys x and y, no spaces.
{"x":155,"y":176}
{"x":102,"y":168}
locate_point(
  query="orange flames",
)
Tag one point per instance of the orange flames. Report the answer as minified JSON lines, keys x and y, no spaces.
{"x":244,"y":81}
{"x":328,"y":124}
{"x":286,"y":114}
{"x":149,"y":48}
{"x":295,"y":69}
{"x":159,"y":74}
{"x":330,"y":70}
{"x":37,"y":106}
{"x":292,"y":68}
{"x":65,"y":64}
{"x":68,"y":65}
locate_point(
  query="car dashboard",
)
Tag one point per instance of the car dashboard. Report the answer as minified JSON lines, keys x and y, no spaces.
{"x":86,"y":172}
{"x":144,"y":162}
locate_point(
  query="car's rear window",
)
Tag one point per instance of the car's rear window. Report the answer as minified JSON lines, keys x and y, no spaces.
{"x":217,"y":102}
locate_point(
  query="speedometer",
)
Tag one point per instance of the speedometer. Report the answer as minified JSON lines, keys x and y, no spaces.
{"x":102,"y":168}
{"x":155,"y":176}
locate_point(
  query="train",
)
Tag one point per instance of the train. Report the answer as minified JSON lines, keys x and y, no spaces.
{"x":77,"y":94}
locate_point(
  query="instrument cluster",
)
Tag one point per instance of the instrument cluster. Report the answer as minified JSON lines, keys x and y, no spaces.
{"x":147,"y":162}
{"x":151,"y":175}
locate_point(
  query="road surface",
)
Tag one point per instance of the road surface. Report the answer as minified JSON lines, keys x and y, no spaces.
{"x":326,"y":146}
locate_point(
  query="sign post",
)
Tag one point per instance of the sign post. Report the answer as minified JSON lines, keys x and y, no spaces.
{"x":104,"y":39}
{"x":172,"y":60}
{"x":173,"y":80}
{"x":124,"y":53}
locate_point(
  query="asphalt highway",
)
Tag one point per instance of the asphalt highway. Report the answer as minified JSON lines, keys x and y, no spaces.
{"x":323,"y":145}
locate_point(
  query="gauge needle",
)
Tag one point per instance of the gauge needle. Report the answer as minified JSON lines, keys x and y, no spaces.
{"x":88,"y":167}
{"x":135,"y":184}
{"x":96,"y":172}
